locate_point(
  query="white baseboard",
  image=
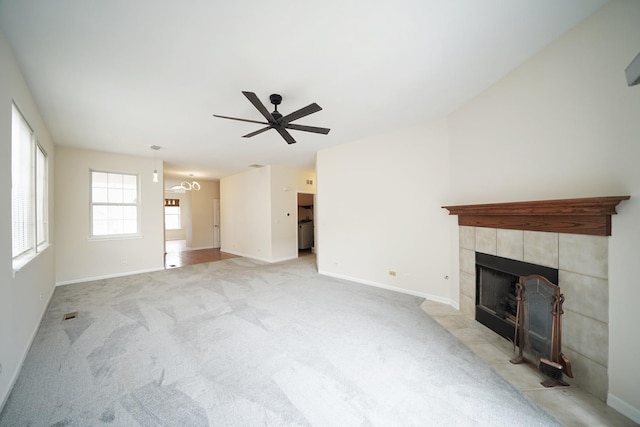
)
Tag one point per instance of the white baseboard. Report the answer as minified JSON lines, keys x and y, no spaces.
{"x":14,"y":377}
{"x":270,"y":261}
{"x":430,"y":297}
{"x":623,"y":407}
{"x":107,"y":276}
{"x":283,"y":259}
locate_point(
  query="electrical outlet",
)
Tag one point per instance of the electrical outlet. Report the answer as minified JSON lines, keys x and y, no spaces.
{"x":0,"y":368}
{"x":392,"y":273}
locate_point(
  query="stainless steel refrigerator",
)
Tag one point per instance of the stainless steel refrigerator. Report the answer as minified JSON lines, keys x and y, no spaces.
{"x":305,"y":235}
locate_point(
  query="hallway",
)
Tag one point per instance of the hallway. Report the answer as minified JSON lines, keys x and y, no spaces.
{"x":177,"y":255}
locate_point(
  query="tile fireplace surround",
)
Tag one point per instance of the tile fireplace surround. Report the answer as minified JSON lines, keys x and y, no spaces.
{"x":550,"y":233}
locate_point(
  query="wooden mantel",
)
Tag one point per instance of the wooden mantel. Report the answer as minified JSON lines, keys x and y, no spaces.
{"x":590,"y":215}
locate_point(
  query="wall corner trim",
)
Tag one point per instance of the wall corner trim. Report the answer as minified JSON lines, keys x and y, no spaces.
{"x":623,"y":407}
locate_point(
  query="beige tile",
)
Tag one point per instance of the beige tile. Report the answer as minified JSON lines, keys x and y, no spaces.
{"x":506,"y":346}
{"x":485,"y":334}
{"x":587,"y":374}
{"x":467,"y":237}
{"x":541,"y":248}
{"x":604,"y":414}
{"x":454,"y":322}
{"x":468,"y":335}
{"x":574,"y":407}
{"x":510,"y":244}
{"x":585,"y":335}
{"x":492,"y":353}
{"x":486,"y":240}
{"x":582,"y":254}
{"x":522,"y":376}
{"x":468,"y":284}
{"x":471,"y":331}
{"x":586,"y":295}
{"x":467,"y":306}
{"x":434,"y":308}
{"x":467,"y":261}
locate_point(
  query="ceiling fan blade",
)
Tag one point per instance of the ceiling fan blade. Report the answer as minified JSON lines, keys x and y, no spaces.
{"x":313,"y":129}
{"x":260,"y":106}
{"x":286,"y":135}
{"x":259,"y":131}
{"x":304,"y":111}
{"x":241,"y":120}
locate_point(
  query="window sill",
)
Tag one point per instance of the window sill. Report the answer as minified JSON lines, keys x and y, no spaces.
{"x":20,"y":262}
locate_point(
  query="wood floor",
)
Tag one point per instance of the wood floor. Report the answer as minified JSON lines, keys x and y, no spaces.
{"x":177,"y":255}
{"x":180,"y":257}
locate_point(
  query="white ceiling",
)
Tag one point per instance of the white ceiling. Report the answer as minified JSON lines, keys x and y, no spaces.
{"x":123,"y":75}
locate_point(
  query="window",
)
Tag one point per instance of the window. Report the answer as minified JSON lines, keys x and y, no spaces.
{"x":42,"y":209}
{"x":172,"y":214}
{"x":29,"y":198}
{"x":114,"y":204}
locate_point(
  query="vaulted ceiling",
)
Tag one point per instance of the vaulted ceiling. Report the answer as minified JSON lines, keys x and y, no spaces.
{"x":123,"y":75}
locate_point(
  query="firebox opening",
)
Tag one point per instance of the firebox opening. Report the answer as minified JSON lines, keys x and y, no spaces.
{"x":496,"y":280}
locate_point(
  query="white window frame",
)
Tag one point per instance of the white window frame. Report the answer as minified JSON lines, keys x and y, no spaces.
{"x":42,"y":208}
{"x":29,"y":192}
{"x":115,"y":199}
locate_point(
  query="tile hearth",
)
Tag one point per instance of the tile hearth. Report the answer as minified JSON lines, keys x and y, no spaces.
{"x":572,"y":406}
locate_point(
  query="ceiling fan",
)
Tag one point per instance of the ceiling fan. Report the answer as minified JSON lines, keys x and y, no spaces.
{"x":277,"y":121}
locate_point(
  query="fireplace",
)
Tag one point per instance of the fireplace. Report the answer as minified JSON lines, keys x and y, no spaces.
{"x":570,"y":235}
{"x":496,"y":280}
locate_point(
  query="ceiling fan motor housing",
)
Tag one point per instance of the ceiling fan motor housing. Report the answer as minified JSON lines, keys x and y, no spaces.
{"x":275,"y":99}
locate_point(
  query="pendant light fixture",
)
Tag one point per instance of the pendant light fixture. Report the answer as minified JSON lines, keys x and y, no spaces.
{"x":155,"y":149}
{"x":190,"y":185}
{"x":187,"y":185}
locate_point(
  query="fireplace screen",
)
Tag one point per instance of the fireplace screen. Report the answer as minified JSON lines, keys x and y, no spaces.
{"x":539,"y":328}
{"x":537,"y":318}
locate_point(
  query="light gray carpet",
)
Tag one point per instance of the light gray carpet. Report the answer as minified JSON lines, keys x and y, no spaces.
{"x":243,"y":343}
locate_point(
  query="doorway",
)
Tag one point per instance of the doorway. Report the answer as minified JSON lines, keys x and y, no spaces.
{"x":306,"y":227}
{"x":216,"y":223}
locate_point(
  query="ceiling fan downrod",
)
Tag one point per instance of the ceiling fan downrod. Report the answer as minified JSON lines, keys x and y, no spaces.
{"x":276,"y":100}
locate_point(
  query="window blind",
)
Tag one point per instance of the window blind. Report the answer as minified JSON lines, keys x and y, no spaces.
{"x":22,"y":185}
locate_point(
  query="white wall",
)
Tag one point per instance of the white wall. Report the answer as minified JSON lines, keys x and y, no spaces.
{"x":23,"y":298}
{"x":245,"y":214}
{"x":379,"y":209}
{"x":202,"y":214}
{"x":77,"y":257}
{"x":565,"y":125}
{"x":253,"y":212}
{"x":285,"y":185}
